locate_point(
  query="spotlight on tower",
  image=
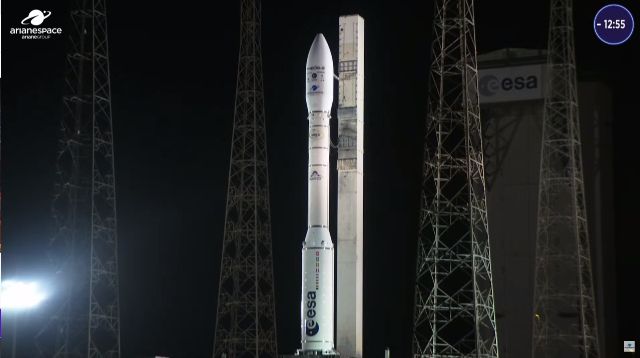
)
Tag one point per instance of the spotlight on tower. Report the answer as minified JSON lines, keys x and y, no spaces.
{"x":20,"y":295}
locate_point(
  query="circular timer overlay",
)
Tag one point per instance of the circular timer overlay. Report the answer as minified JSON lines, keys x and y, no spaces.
{"x":613,"y":24}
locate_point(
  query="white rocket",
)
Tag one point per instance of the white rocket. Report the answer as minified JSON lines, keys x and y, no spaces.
{"x":317,"y":249}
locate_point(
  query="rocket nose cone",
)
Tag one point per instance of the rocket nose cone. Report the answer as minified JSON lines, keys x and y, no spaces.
{"x":319,"y":41}
{"x":319,"y":76}
{"x":319,"y":53}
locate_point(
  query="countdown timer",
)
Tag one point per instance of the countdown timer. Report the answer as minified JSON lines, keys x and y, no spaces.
{"x":613,"y":24}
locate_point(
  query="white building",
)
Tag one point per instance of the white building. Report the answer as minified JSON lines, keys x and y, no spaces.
{"x":511,"y":97}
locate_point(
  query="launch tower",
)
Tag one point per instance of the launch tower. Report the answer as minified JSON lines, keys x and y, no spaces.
{"x":564,"y":317}
{"x":454,"y":312}
{"x":85,"y":247}
{"x":350,"y":185}
{"x":245,"y":319}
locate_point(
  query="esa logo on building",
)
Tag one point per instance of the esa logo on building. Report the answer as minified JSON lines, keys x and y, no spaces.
{"x":32,"y":29}
{"x":514,"y":83}
{"x":490,"y":85}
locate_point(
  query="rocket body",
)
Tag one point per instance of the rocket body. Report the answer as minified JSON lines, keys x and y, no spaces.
{"x":317,"y":306}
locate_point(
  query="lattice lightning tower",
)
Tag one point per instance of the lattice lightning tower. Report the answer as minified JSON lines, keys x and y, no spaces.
{"x":87,"y":321}
{"x":454,"y":312}
{"x":564,"y":317}
{"x":246,"y":323}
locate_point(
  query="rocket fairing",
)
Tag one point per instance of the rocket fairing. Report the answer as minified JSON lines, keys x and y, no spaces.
{"x":317,"y":306}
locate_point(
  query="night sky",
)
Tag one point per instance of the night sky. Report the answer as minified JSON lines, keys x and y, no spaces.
{"x":173,"y":81}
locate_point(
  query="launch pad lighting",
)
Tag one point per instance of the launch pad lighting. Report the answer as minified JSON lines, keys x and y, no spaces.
{"x":19,"y":295}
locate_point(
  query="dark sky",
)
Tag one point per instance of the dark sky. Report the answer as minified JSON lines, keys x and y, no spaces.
{"x":173,"y":78}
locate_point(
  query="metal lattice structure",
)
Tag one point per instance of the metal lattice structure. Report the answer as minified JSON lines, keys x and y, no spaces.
{"x":454,"y":312}
{"x":245,"y":321}
{"x":86,"y":322}
{"x":564,"y":317}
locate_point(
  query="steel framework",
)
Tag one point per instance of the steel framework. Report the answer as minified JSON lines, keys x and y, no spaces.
{"x":84,"y":249}
{"x":245,"y":321}
{"x":564,"y":317}
{"x":454,"y":312}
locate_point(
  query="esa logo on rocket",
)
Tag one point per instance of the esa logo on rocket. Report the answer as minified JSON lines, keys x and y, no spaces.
{"x":312,"y":327}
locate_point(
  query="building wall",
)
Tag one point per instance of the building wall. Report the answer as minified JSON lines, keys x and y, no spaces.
{"x":512,"y":204}
{"x":512,"y":132}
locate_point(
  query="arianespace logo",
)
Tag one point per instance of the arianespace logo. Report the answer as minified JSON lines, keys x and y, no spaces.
{"x":36,"y":17}
{"x":33,"y":31}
